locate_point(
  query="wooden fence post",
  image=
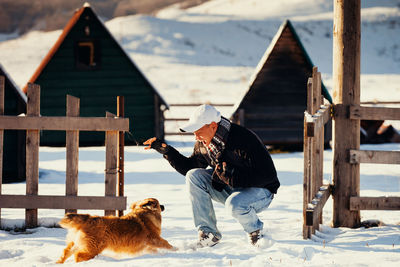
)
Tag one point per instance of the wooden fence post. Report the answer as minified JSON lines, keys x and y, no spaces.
{"x":111,"y":163}
{"x":346,"y":92}
{"x":121,"y":153}
{"x":307,"y":148}
{"x":319,"y":143}
{"x":72,"y":151}
{"x":32,"y":153}
{"x":2,"y":91}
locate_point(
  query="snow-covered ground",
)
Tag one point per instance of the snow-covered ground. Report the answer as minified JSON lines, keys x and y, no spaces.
{"x":149,"y":175}
{"x":208,"y":53}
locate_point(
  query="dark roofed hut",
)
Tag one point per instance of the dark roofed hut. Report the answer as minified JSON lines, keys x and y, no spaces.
{"x":14,"y":141}
{"x":87,"y":62}
{"x":273,"y":105}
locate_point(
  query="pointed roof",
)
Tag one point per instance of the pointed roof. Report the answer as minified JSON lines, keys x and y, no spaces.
{"x":14,"y":86}
{"x":71,"y":23}
{"x":266,"y":56}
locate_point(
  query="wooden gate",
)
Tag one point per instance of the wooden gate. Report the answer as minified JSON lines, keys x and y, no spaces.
{"x":315,"y":193}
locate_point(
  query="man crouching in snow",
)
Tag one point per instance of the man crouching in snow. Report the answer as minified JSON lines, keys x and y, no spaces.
{"x":242,"y":174}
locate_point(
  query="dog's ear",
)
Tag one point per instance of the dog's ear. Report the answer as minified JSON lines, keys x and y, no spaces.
{"x":151,"y":204}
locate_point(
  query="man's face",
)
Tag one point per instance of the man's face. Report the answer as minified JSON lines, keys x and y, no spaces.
{"x":206,"y":133}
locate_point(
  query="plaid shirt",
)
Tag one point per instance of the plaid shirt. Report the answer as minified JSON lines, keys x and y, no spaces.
{"x":217,"y":144}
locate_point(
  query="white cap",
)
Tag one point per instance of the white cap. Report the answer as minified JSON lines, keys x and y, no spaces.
{"x":204,"y":114}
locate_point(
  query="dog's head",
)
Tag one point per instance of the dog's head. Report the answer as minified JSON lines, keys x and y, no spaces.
{"x":151,"y":204}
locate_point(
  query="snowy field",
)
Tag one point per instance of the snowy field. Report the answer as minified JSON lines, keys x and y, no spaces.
{"x":149,"y":175}
{"x":208,"y":53}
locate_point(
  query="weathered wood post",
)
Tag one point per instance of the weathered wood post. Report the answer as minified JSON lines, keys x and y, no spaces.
{"x":72,"y":151}
{"x":121,"y":151}
{"x":307,"y":148}
{"x":32,"y":153}
{"x":346,"y":92}
{"x":2,"y":90}
{"x":111,"y":163}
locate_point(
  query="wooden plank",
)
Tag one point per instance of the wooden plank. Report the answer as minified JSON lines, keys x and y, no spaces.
{"x":64,"y":123}
{"x":176,"y":119}
{"x":121,"y":152}
{"x":111,"y":164}
{"x":317,"y":153}
{"x":276,"y":129}
{"x":325,"y":112}
{"x":310,"y":124}
{"x":306,"y":180}
{"x":32,"y":153}
{"x":309,"y":161}
{"x":62,"y":202}
{"x":374,"y":156}
{"x":198,"y":104}
{"x":273,"y":108}
{"x":380,"y":102}
{"x":346,"y":92}
{"x":268,"y":115}
{"x":374,"y":113}
{"x":2,"y":91}
{"x":315,"y":122}
{"x":320,"y":144}
{"x":309,"y":95}
{"x":316,"y":205}
{"x":316,"y":90}
{"x":72,"y":151}
{"x":278,"y":115}
{"x":374,"y":203}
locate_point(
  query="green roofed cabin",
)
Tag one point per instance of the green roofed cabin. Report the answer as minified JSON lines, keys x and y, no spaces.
{"x":274,"y":103}
{"x":14,"y":141}
{"x":88,"y":63}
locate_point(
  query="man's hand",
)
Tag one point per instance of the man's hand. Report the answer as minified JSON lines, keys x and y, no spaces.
{"x":156,"y":144}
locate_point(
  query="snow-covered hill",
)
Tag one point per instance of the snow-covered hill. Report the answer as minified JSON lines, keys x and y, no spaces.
{"x":201,"y":53}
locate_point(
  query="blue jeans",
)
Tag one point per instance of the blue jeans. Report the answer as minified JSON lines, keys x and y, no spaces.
{"x":242,"y":203}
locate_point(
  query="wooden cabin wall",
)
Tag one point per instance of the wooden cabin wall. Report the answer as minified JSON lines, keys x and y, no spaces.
{"x":97,"y":88}
{"x":14,"y":141}
{"x":274,"y":106}
{"x":277,"y":98}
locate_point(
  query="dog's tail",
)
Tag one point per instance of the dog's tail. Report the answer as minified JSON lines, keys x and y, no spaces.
{"x":72,"y":220}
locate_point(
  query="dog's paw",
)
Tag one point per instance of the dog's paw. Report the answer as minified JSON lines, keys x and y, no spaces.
{"x":174,"y":248}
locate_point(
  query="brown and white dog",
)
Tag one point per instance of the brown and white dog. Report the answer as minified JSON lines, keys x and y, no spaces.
{"x":139,"y":231}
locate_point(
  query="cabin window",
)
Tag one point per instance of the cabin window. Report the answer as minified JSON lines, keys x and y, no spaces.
{"x":87,"y":55}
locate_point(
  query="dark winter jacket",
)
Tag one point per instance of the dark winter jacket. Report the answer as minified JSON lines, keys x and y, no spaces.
{"x":246,"y":161}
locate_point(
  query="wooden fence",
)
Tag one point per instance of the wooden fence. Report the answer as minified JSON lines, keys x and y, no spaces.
{"x":315,"y":193}
{"x":72,"y":124}
{"x":358,"y":112}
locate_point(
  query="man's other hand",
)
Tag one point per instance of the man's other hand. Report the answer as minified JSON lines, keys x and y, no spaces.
{"x":156,"y":144}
